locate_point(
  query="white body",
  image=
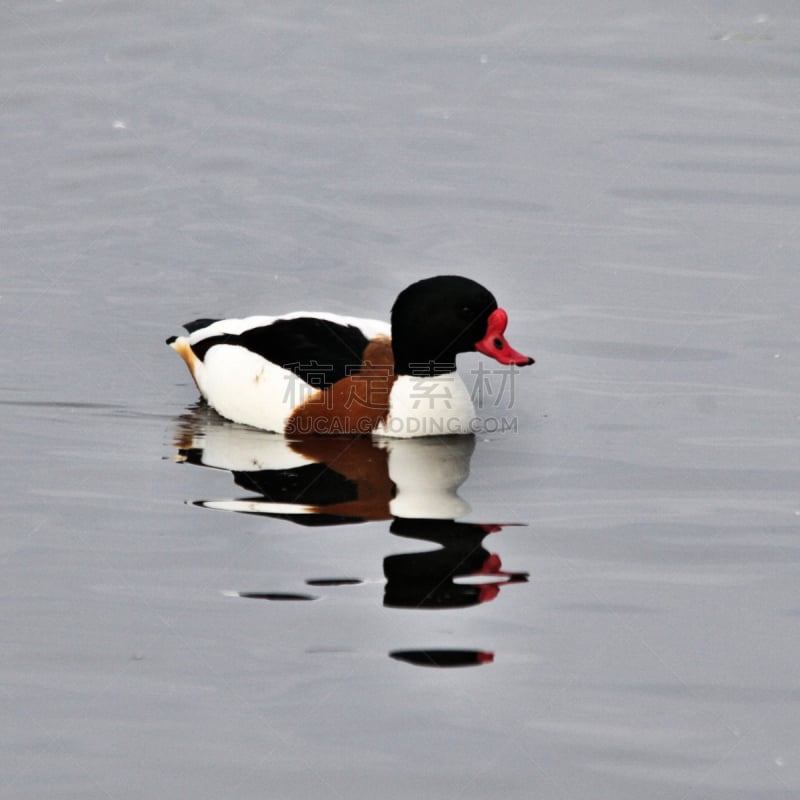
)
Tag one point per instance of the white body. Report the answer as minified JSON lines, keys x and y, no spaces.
{"x":422,"y":406}
{"x":247,"y":388}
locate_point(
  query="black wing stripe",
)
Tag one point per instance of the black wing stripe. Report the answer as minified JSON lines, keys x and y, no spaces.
{"x":197,"y":324}
{"x":318,"y":351}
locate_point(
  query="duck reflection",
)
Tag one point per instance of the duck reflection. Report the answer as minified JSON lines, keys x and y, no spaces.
{"x":327,"y":481}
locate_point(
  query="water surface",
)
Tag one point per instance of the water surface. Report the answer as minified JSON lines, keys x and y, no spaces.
{"x":601,"y":600}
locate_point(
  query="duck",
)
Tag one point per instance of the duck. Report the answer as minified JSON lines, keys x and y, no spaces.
{"x":309,"y":373}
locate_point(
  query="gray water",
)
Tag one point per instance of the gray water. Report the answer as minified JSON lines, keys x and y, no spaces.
{"x":624,"y":178}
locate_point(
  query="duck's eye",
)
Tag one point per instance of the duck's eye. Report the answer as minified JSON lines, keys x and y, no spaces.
{"x":466,"y":311}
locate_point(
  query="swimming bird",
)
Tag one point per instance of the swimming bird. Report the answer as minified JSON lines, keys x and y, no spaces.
{"x":320,"y":373}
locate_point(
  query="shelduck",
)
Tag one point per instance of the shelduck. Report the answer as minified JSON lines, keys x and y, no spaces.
{"x":319,"y":373}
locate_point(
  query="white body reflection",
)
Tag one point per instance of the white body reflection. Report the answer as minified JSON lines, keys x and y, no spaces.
{"x":378,"y":479}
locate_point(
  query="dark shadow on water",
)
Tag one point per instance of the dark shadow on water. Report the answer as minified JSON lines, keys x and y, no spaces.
{"x":275,"y":596}
{"x":339,"y":481}
{"x":443,"y":658}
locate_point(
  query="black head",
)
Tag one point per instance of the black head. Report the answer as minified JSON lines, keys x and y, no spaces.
{"x":435,"y":319}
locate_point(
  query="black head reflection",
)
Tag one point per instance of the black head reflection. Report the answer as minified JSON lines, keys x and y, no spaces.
{"x":337,"y":481}
{"x":430,"y":579}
